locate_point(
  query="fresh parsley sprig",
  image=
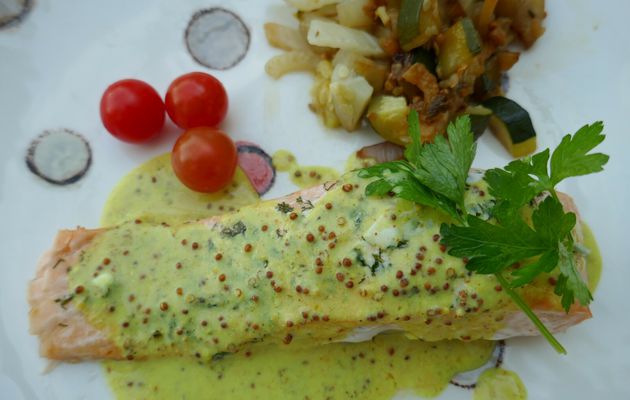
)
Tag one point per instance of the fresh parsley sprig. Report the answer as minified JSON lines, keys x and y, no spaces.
{"x":435,"y":174}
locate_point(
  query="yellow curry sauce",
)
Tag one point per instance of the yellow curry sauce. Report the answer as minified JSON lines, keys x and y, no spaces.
{"x":214,"y":311}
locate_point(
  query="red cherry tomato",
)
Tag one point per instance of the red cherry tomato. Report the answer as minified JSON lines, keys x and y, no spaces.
{"x":196,"y":99}
{"x":132,"y":110}
{"x":204,"y":159}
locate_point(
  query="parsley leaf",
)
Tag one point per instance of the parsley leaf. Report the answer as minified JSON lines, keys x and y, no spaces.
{"x":551,"y":222}
{"x":443,"y":165}
{"x":570,"y":284}
{"x":434,"y":175}
{"x":570,"y":157}
{"x":412,"y":152}
{"x":284,"y":207}
{"x":492,"y":247}
{"x":515,"y":183}
{"x":521,"y":181}
{"x":546,"y":262}
{"x":397,"y":177}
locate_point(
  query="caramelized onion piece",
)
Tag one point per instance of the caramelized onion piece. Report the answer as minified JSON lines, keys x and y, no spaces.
{"x":382,"y":152}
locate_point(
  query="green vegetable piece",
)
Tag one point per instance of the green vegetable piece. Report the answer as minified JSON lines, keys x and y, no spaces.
{"x":425,"y":57}
{"x":473,"y":41}
{"x":478,"y":124}
{"x":443,"y":165}
{"x":491,"y":248}
{"x":570,"y":284}
{"x":409,"y":20}
{"x":513,"y":116}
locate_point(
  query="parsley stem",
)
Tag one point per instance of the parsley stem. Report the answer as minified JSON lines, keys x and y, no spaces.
{"x":530,"y":313}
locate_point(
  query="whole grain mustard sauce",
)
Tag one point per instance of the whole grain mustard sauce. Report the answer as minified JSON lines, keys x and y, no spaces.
{"x":497,"y":383}
{"x":300,"y":175}
{"x":242,"y":321}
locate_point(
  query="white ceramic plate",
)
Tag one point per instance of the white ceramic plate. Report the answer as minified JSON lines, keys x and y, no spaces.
{"x":55,"y":64}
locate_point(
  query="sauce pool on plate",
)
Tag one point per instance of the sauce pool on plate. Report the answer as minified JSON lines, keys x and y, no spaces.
{"x":300,"y":175}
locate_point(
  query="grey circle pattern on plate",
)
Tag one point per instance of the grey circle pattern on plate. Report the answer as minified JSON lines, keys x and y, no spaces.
{"x":13,"y":11}
{"x":468,"y":380}
{"x":217,"y":38}
{"x":59,"y":156}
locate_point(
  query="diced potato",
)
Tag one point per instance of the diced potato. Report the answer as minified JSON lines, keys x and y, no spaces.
{"x":330,"y":34}
{"x":351,"y":13}
{"x":350,"y":97}
{"x":290,"y":62}
{"x":286,"y":38}
{"x":310,"y":5}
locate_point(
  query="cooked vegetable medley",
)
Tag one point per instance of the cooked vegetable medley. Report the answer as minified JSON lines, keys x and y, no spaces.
{"x":381,"y":58}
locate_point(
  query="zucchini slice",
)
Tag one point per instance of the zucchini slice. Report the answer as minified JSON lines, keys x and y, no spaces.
{"x":472,"y":37}
{"x":409,"y":20}
{"x":479,"y":119}
{"x":489,"y":83}
{"x":479,"y":124}
{"x":460,"y":44}
{"x":388,"y":117}
{"x":512,"y":125}
{"x":418,"y":21}
{"x":425,"y":57}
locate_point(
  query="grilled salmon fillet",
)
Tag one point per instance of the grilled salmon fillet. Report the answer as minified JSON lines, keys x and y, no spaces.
{"x":321,"y":265}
